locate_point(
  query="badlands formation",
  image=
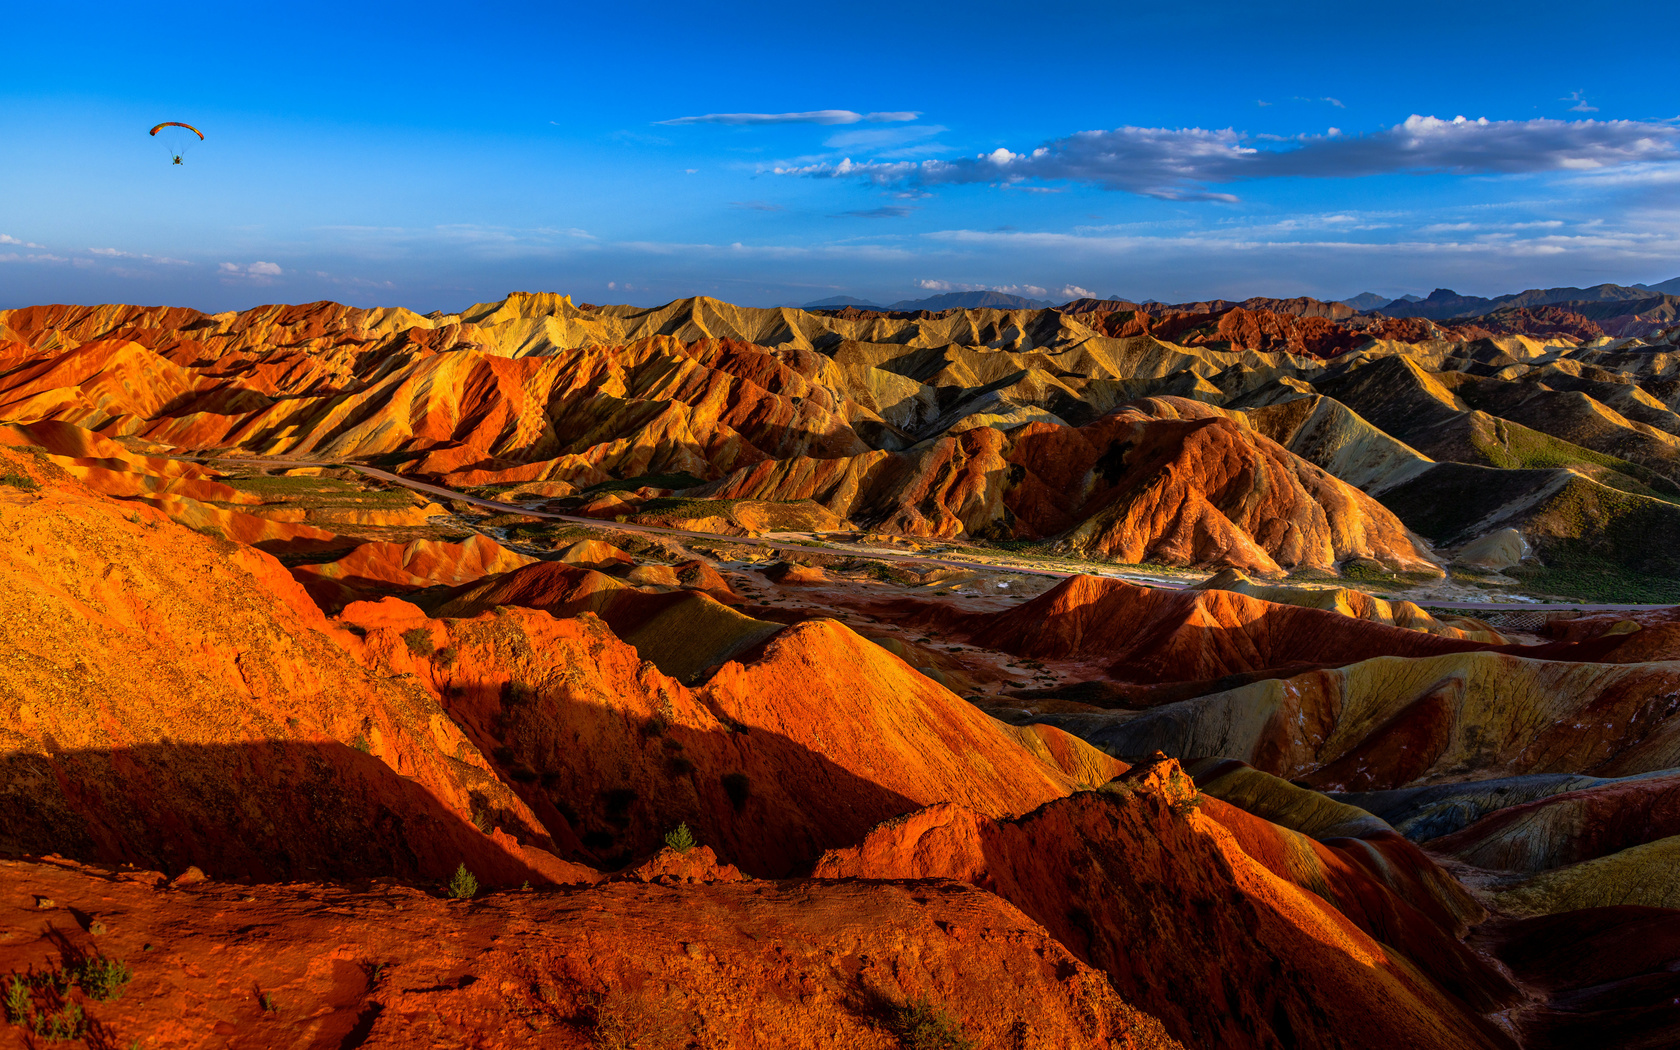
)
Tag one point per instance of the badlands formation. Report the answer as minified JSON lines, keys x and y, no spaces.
{"x":1227,"y":675}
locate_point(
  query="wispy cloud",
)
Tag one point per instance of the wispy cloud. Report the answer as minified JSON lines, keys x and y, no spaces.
{"x":1580,"y":101}
{"x":815,"y":116}
{"x":1183,"y":163}
{"x":9,"y":239}
{"x":890,"y":211}
{"x":161,"y":260}
{"x":882,"y":138}
{"x":755,"y":206}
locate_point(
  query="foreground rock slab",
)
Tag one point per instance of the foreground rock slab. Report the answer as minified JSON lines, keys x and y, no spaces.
{"x":737,"y":965}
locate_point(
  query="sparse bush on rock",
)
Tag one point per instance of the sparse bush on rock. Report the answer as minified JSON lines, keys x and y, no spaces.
{"x":463,"y":885}
{"x":680,"y":838}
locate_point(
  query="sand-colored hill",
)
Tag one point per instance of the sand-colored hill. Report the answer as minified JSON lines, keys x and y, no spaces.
{"x":1357,"y":604}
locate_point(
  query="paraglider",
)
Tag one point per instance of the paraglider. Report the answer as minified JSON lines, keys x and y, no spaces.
{"x":177,"y":137}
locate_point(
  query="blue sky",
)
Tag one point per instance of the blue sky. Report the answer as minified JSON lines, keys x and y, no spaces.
{"x":432,"y":155}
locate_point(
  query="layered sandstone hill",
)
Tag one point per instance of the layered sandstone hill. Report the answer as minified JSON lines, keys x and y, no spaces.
{"x":1021,"y":425}
{"x":253,"y":712}
{"x":212,"y":723}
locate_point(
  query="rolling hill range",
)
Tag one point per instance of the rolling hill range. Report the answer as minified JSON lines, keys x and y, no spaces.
{"x":1107,"y":430}
{"x":567,"y":676}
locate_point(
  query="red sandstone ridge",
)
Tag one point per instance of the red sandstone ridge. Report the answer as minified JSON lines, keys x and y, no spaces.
{"x":1187,"y":889}
{"x":1153,"y":635}
{"x":1165,"y":480}
{"x":210,"y":715}
{"x":793,"y":749}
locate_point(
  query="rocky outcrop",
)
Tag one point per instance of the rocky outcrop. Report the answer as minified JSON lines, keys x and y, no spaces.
{"x":1181,"y":868}
{"x":628,"y":963}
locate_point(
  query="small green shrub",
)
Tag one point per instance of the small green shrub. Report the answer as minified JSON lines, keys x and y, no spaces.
{"x":101,"y":978}
{"x":19,"y":1005}
{"x":268,"y":1004}
{"x":463,"y":886}
{"x":361,"y":744}
{"x":419,"y":641}
{"x":66,"y":1023}
{"x":680,"y":838}
{"x":920,"y":1025}
{"x":19,"y":481}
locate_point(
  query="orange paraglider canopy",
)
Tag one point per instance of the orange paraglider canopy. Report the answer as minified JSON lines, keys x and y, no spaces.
{"x":178,"y":124}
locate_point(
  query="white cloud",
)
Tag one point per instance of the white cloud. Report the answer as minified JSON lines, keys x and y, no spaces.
{"x":815,"y":116}
{"x":1182,"y":163}
{"x":1007,"y":289}
{"x":1073,"y":291}
{"x":1580,"y":101}
{"x":8,"y":239}
{"x":255,"y":273}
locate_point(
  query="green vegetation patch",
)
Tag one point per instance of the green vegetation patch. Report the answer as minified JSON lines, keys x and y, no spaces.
{"x":921,"y":1025}
{"x":313,"y":492}
{"x":1512,"y":446}
{"x":680,"y":480}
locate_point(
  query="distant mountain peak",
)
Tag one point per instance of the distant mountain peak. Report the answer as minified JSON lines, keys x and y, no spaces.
{"x":835,"y":302}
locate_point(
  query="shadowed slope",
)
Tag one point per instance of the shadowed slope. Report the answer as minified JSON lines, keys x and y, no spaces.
{"x":804,"y":744}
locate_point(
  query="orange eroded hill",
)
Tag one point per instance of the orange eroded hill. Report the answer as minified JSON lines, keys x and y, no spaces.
{"x":1109,"y":872}
{"x":172,"y":699}
{"x":1146,"y":635}
{"x":800,"y":746}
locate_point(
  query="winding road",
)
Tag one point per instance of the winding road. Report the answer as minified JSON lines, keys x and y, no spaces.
{"x":868,"y":554}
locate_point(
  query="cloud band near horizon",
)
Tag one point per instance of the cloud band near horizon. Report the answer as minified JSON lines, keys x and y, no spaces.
{"x":1181,"y":163}
{"x":816,"y":116}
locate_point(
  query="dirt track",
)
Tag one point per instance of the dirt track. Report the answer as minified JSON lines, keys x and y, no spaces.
{"x":873,"y":555}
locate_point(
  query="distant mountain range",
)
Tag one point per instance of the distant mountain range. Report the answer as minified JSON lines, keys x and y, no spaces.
{"x":1441,"y":304}
{"x":1444,"y":303}
{"x":1371,"y":300}
{"x":945,"y":301}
